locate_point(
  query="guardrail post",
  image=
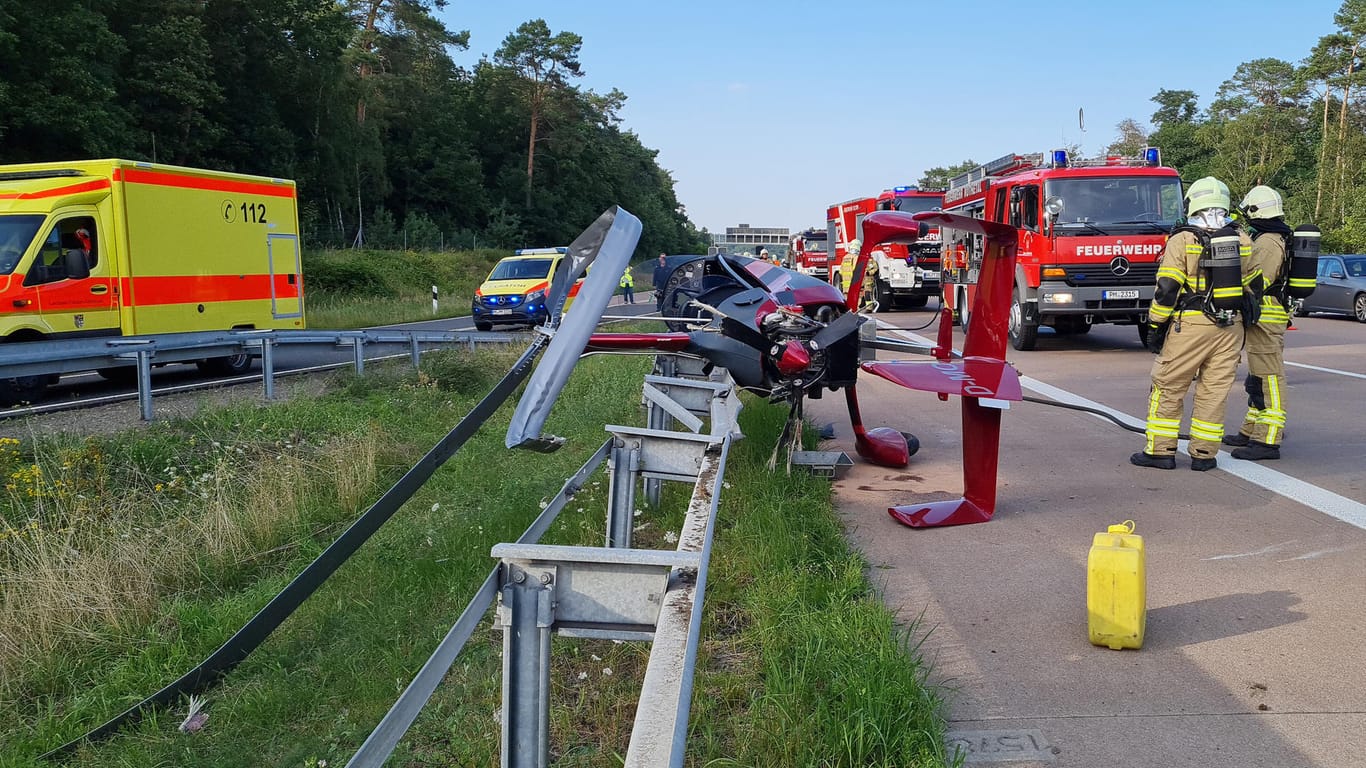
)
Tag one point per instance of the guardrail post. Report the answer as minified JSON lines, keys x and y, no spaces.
{"x":417,"y":352}
{"x":359,"y":352}
{"x":145,"y":384}
{"x":268,"y":367}
{"x":624,"y":465}
{"x":526,"y":614}
{"x":655,"y":418}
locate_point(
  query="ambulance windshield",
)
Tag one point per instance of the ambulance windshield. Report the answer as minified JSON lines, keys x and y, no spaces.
{"x":16,"y":232}
{"x":522,"y":269}
{"x":1117,"y":205}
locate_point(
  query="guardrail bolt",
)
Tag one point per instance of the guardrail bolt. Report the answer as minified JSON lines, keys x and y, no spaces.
{"x":546,"y":579}
{"x":518,"y":575}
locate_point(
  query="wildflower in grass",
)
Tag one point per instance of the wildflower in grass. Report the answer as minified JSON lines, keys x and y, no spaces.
{"x":671,"y":537}
{"x":583,"y":675}
{"x":606,"y":671}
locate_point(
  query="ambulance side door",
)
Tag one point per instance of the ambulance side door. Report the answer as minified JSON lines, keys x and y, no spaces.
{"x":75,"y":304}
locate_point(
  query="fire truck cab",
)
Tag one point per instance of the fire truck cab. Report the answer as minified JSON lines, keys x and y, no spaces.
{"x":1091,"y":233}
{"x":904,"y":275}
{"x":807,"y":253}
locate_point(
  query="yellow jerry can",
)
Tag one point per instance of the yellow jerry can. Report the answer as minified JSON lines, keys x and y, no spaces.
{"x":1116,"y":588}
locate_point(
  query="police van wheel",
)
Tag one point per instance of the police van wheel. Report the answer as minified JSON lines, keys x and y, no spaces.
{"x":231,"y":365}
{"x":1022,"y":335}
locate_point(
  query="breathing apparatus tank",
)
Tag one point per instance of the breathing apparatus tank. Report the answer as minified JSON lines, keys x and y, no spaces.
{"x":1224,"y":270}
{"x":1304,"y":262}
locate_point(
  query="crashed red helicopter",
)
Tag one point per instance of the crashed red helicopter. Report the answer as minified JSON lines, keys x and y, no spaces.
{"x":789,"y":336}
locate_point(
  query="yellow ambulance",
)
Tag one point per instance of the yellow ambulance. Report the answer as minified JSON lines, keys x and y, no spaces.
{"x":115,"y":247}
{"x":515,"y":291}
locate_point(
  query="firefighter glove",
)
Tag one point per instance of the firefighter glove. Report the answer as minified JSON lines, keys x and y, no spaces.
{"x":1156,"y":336}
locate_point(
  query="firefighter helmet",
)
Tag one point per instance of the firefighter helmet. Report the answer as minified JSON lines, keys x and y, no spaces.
{"x":1262,"y":202}
{"x":1208,"y":192}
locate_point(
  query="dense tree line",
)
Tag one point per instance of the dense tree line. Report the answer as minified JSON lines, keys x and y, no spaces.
{"x":357,"y":100}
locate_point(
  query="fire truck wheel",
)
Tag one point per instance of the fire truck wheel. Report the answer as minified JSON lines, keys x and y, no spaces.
{"x":917,"y":302}
{"x":883,"y":294}
{"x":231,"y":365}
{"x":1143,"y":329}
{"x":1022,"y":335}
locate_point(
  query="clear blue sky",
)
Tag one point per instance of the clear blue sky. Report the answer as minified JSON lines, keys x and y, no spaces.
{"x":767,"y":112}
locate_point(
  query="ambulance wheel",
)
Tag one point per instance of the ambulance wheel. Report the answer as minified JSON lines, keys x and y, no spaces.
{"x":480,"y":325}
{"x":1022,"y":335}
{"x":118,"y":373}
{"x":23,"y":389}
{"x":231,"y":365}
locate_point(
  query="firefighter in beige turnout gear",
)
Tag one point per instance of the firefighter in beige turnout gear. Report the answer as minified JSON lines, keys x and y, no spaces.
{"x":1199,"y":337}
{"x":1260,"y":436}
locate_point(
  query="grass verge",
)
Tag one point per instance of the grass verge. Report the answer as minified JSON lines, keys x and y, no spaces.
{"x":129,"y":558}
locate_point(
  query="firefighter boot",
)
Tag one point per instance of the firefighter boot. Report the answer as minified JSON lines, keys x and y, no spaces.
{"x":1203,"y":465}
{"x":1255,"y":451}
{"x":1142,"y":459}
{"x":1238,"y":440}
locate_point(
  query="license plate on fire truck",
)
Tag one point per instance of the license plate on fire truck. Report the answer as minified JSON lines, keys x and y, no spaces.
{"x":1130,"y":294}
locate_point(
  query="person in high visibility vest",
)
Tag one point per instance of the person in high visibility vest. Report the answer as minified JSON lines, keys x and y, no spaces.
{"x":1260,"y":436}
{"x":1205,"y":270}
{"x":628,"y":284}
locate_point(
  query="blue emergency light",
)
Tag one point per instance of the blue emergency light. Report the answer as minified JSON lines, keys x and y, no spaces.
{"x":1152,"y":156}
{"x":902,"y":189}
{"x":1059,"y":158}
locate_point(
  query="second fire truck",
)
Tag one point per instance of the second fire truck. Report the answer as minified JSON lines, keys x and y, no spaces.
{"x":807,"y":254}
{"x":1090,"y":235}
{"x":905,"y":275}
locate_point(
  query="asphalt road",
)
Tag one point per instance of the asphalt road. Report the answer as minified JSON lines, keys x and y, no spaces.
{"x":1254,"y":580}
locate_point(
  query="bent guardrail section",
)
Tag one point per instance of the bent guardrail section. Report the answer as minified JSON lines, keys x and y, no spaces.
{"x":610,"y":592}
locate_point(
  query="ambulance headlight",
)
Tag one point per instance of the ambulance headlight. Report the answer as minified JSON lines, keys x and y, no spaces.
{"x":535,"y":295}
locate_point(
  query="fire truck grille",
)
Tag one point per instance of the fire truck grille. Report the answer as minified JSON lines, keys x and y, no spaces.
{"x":1081,"y":275}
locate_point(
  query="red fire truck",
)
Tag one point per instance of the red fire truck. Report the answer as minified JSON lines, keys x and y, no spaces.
{"x":807,"y":253}
{"x":908,"y":275}
{"x":1091,"y":233}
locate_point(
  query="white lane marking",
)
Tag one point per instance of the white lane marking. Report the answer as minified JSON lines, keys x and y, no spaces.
{"x":1263,"y":551}
{"x":1299,"y":491}
{"x":1315,"y":554}
{"x":1327,"y":370}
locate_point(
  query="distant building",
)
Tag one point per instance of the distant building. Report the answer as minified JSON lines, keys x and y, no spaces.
{"x":746,"y":239}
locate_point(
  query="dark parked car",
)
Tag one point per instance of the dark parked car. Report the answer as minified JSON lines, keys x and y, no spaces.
{"x":1340,"y":288}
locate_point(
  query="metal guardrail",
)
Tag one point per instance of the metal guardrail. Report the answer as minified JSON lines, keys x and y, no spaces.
{"x":39,"y":358}
{"x":609,"y":592}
